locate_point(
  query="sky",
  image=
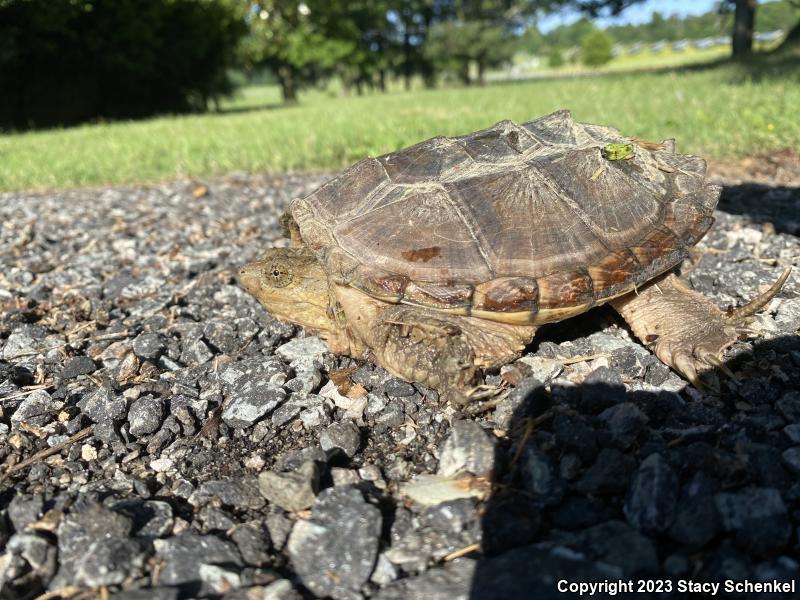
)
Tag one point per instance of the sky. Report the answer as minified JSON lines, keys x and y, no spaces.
{"x":638,"y":13}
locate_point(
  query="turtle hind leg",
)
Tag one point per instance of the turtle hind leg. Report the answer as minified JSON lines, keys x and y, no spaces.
{"x":687,"y":331}
{"x":443,"y":351}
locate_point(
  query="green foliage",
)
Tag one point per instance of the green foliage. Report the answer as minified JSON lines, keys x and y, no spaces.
{"x":64,"y":62}
{"x":555,"y":59}
{"x":455,"y":45}
{"x":596,"y":47}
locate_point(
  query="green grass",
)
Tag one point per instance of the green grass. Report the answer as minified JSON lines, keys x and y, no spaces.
{"x":720,"y":112}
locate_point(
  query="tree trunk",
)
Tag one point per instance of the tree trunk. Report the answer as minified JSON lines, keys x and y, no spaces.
{"x":382,"y":80}
{"x":481,"y":72}
{"x":407,"y":57}
{"x":792,"y":38}
{"x":463,"y":73}
{"x":744,"y":21}
{"x":286,"y":79}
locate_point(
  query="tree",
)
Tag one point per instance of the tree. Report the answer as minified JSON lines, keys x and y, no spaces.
{"x":744,"y":21}
{"x":66,"y":62}
{"x":456,"y":45}
{"x":596,"y":48}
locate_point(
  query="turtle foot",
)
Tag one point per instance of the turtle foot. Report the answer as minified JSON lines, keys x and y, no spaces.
{"x":687,"y":331}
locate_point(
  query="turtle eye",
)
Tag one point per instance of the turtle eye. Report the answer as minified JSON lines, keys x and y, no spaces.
{"x":278,"y":275}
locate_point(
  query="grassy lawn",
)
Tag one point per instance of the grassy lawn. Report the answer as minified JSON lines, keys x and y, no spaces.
{"x":720,"y":112}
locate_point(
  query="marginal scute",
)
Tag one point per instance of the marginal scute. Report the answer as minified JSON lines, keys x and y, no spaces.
{"x":569,"y":288}
{"x":689,"y":217}
{"x":659,"y":242}
{"x":507,"y":294}
{"x":431,"y":160}
{"x":438,"y":296}
{"x":613,"y":274}
{"x":379,"y":284}
{"x":315,"y":233}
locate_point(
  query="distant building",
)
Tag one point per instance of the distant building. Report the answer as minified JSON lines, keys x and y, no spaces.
{"x":680,"y":45}
{"x":658,"y":47}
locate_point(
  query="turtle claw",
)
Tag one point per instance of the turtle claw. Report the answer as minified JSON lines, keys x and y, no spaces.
{"x":687,"y":331}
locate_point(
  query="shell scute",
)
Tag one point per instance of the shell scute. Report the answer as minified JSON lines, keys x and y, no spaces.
{"x":431,"y":160}
{"x":504,"y":141}
{"x":347,"y":193}
{"x":613,"y":274}
{"x":567,"y":288}
{"x":507,"y":294}
{"x":441,"y":296}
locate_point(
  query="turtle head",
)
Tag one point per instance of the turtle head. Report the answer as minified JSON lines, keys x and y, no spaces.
{"x":292,"y":285}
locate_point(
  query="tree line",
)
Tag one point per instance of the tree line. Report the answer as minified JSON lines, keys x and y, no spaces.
{"x":67,"y":61}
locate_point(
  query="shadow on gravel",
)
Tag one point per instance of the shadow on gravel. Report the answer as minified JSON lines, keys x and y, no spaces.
{"x":779,"y":205}
{"x":678,"y":486}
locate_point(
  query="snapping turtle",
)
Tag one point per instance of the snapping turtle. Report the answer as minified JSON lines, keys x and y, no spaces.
{"x":442,"y":259}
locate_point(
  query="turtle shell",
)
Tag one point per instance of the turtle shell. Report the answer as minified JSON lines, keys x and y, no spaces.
{"x":517,"y":223}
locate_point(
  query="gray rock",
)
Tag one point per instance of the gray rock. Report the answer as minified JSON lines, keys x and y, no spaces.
{"x":538,"y":476}
{"x":618,"y":544}
{"x":292,"y":491}
{"x":34,"y":409}
{"x":609,"y":474}
{"x":789,"y":406}
{"x":253,"y":542}
{"x":87,"y":525}
{"x":602,"y":389}
{"x":23,"y":510}
{"x":250,"y":400}
{"x":38,"y":552}
{"x":793,"y":432}
{"x":302,"y":350}
{"x":296,"y":403}
{"x":109,"y":562}
{"x":259,"y":368}
{"x":145,"y":415}
{"x":791,"y":458}
{"x":653,"y":495}
{"x":195,"y":352}
{"x":241,"y":492}
{"x":341,"y":537}
{"x":103,"y":405}
{"x":758,"y":516}
{"x":149,"y":346}
{"x":183,"y":555}
{"x":398,"y":388}
{"x":467,"y":449}
{"x":344,"y":437}
{"x":453,"y":581}
{"x":280,"y":589}
{"x":78,"y":365}
{"x":218,"y":579}
{"x":696,"y":521}
{"x":624,"y":421}
{"x":151,"y":518}
{"x":159,"y":593}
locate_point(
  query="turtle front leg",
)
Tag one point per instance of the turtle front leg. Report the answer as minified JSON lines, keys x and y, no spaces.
{"x":443,"y":351}
{"x":686,"y":330}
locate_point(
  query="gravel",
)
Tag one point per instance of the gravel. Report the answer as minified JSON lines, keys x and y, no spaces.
{"x":181,"y":443}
